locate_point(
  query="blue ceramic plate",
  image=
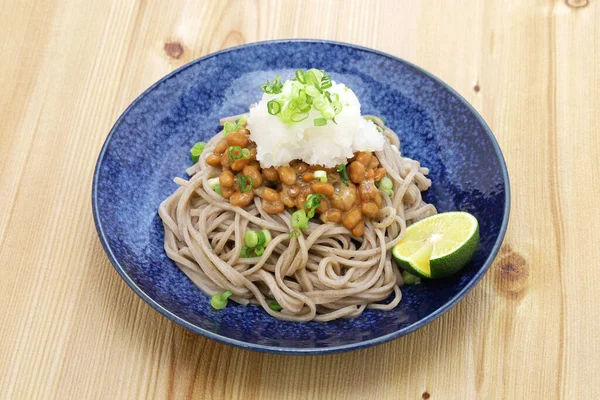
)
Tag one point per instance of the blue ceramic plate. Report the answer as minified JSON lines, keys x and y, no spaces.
{"x":149,"y":146}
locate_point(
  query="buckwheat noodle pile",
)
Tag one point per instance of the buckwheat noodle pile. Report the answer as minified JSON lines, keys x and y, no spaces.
{"x":320,"y":276}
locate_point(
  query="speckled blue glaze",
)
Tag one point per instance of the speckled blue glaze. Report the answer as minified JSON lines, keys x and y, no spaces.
{"x":149,"y":144}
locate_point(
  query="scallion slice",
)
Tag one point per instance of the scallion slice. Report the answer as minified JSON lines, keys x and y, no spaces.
{"x":313,"y":201}
{"x":251,"y":239}
{"x":273,"y":107}
{"x":320,"y":121}
{"x":264,"y":237}
{"x":197,"y":150}
{"x":229,"y":127}
{"x":245,"y":182}
{"x":299,"y":219}
{"x":234,"y":153}
{"x":387,"y":186}
{"x":321,"y":175}
{"x":343,"y":174}
{"x":219,"y":301}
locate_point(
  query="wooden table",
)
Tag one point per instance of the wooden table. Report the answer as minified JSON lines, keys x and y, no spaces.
{"x":71,"y":328}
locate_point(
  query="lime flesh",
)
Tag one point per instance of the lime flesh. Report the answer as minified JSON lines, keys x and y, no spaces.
{"x":439,"y":245}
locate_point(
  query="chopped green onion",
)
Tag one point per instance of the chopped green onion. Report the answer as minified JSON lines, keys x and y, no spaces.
{"x":386,"y":183}
{"x":246,"y":153}
{"x":320,"y":121}
{"x":313,"y":201}
{"x":299,"y":117}
{"x":343,"y":174}
{"x":245,"y":182}
{"x":299,"y":219}
{"x":246,"y":252}
{"x":321,"y":175}
{"x":273,"y":107}
{"x":272,"y":88}
{"x":275,"y":306}
{"x":328,"y":112}
{"x":251,"y":239}
{"x":241,"y":122}
{"x":212,"y":182}
{"x":264,"y":237}
{"x":382,"y":119}
{"x":387,"y":186}
{"x":319,"y":104}
{"x":410,"y":279}
{"x":229,"y":127}
{"x":234,"y":153}
{"x":295,"y":233}
{"x":197,"y":150}
{"x":219,"y":301}
{"x":214,"y":185}
{"x":307,"y":90}
{"x":259,"y":251}
{"x":312,"y":91}
{"x":300,"y":76}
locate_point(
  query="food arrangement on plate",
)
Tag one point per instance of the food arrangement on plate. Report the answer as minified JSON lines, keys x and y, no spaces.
{"x":302,"y":205}
{"x":305,"y":223}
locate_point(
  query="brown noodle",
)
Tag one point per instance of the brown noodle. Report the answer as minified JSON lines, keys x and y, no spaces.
{"x":322,"y":275}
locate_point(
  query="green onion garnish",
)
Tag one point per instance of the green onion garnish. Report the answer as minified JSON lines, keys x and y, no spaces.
{"x":295,"y":233}
{"x":239,"y":124}
{"x":212,"y":182}
{"x":246,"y":153}
{"x":300,"y":76}
{"x":229,"y":127}
{"x":219,"y":301}
{"x":343,"y":174}
{"x":299,"y":117}
{"x":245,"y":182}
{"x":387,"y":186}
{"x":275,"y":306}
{"x":272,"y":88}
{"x":251,"y":239}
{"x":308,"y":90}
{"x":246,"y":252}
{"x":256,"y":241}
{"x":299,"y":219}
{"x":264,"y":237}
{"x":234,"y":153}
{"x":197,"y":150}
{"x":313,"y":201}
{"x":214,"y":185}
{"x":410,"y":279}
{"x":321,"y":175}
{"x":273,"y":107}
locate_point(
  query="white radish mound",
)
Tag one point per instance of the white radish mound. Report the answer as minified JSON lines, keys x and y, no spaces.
{"x":329,"y":145}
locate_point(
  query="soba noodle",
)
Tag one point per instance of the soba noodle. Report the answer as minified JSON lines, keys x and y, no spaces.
{"x":324,"y":274}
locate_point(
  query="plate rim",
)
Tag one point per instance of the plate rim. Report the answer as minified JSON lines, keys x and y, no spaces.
{"x":305,"y":350}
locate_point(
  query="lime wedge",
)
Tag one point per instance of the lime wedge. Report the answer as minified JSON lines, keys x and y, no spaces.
{"x":439,"y":245}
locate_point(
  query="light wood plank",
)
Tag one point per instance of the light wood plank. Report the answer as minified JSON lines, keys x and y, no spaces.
{"x":72,"y":329}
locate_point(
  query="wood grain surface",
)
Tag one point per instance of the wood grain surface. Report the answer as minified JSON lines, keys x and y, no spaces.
{"x":71,"y":328}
